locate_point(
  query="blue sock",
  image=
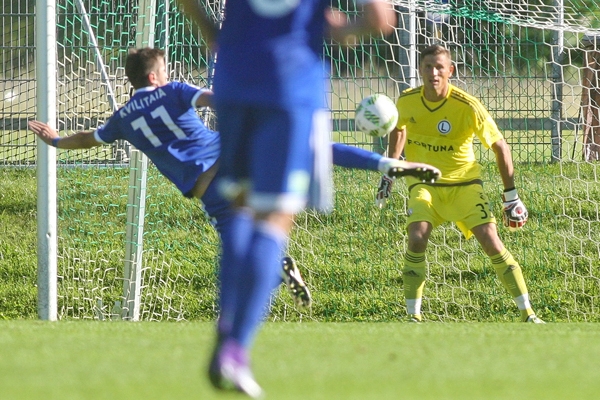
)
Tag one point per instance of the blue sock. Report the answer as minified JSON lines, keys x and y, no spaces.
{"x":355,"y":157}
{"x":260,"y":274}
{"x":236,"y":234}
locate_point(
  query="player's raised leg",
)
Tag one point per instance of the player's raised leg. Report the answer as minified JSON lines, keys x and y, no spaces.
{"x":423,"y":172}
{"x":357,"y":158}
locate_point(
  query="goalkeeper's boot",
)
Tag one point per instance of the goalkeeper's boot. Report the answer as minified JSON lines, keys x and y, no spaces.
{"x":296,"y":286}
{"x":414,"y":318}
{"x":534,"y":319}
{"x":229,"y":370}
{"x":424,"y":172}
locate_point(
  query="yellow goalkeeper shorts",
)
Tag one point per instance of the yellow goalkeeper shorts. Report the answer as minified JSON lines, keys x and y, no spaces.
{"x":467,"y":206}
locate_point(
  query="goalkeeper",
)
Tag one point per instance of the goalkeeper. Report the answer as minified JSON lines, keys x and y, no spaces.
{"x":437,"y":125}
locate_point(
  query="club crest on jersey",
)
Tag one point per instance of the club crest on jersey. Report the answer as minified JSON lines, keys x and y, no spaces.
{"x":444,"y":127}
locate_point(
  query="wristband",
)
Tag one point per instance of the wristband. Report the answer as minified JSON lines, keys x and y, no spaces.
{"x":511,"y":195}
{"x":54,"y":142}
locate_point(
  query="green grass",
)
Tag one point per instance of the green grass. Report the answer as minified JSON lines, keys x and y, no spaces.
{"x":351,"y":258}
{"x":119,"y":360}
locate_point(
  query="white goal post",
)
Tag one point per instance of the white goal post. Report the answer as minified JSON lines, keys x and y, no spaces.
{"x":129,"y":307}
{"x":46,"y":174}
{"x":136,"y":203}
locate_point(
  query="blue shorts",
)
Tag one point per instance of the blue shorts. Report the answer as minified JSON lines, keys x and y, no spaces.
{"x":270,"y":154}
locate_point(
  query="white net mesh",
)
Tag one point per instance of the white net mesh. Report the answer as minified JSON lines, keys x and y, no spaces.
{"x":534,"y":64}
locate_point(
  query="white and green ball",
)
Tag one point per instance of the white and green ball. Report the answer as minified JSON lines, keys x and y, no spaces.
{"x":376,"y":115}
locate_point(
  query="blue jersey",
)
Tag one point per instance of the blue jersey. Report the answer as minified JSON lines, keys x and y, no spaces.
{"x":163,"y":124}
{"x":270,"y":53}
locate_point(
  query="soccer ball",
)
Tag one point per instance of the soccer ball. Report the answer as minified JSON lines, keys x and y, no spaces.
{"x":376,"y":115}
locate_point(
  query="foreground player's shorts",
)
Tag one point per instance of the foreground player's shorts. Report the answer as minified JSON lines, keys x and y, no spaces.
{"x":271,"y":153}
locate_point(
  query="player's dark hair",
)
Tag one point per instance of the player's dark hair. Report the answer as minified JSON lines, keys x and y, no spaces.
{"x":139,"y":64}
{"x":435,"y":50}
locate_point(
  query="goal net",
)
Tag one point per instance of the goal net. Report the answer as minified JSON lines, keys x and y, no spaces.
{"x":534,"y":64}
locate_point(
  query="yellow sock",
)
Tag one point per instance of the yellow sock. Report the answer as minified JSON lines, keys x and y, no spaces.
{"x":413,"y":274}
{"x":509,"y":272}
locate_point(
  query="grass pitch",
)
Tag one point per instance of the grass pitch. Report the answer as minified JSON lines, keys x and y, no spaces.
{"x":310,"y":360}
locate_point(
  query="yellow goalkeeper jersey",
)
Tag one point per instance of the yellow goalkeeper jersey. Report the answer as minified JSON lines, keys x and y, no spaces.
{"x":442,"y":133}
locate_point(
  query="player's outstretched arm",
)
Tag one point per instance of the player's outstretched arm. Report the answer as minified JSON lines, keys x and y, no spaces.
{"x":198,"y":14}
{"x":377,"y":16}
{"x":80,"y":140}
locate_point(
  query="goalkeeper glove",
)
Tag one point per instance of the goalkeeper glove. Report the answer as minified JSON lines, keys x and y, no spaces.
{"x":514,"y":214}
{"x":384,"y":191}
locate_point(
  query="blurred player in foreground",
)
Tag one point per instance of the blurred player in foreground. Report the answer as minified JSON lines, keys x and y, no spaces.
{"x":437,"y":124}
{"x":276,"y":155}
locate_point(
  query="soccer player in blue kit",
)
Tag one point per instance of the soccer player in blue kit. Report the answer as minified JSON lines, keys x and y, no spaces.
{"x":270,"y":100}
{"x":160,"y":120}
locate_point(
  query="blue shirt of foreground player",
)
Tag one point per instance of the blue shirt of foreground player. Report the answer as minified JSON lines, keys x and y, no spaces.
{"x":163,"y":124}
{"x":280,"y":47}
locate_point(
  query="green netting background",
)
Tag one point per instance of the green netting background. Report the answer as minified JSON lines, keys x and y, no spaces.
{"x":532,"y":84}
